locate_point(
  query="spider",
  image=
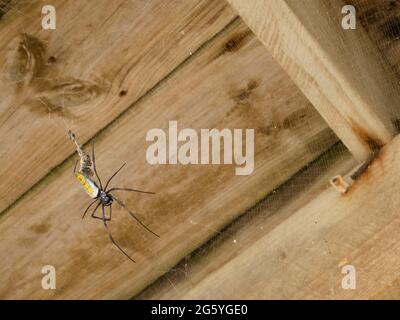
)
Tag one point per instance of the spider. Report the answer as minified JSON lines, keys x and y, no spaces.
{"x":104,"y":198}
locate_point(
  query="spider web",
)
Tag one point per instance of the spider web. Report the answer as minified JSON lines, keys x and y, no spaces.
{"x":232,"y":240}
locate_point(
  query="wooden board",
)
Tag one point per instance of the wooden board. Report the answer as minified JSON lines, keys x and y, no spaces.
{"x":231,"y":82}
{"x":381,"y":20}
{"x":245,"y":232}
{"x":103,"y":56}
{"x":340,"y":71}
{"x":302,"y":257}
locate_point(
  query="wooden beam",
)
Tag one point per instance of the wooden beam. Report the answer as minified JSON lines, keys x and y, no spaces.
{"x":340,"y":71}
{"x":232,"y":82}
{"x":102,"y":58}
{"x":298,"y":253}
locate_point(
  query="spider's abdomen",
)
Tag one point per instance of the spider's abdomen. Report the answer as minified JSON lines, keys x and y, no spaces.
{"x":91,"y":188}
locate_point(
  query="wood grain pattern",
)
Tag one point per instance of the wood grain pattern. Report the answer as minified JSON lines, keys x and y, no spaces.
{"x":302,"y":256}
{"x":340,"y":71}
{"x":231,"y":82}
{"x":103,"y":56}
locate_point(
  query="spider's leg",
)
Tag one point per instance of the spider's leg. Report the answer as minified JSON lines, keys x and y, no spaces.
{"x":94,"y":167}
{"x":134,"y":190}
{"x":87,"y":209}
{"x":133,"y":216}
{"x":96,"y":217}
{"x":76,"y":163}
{"x":109,"y":218}
{"x":111,"y":238}
{"x":115,"y":173}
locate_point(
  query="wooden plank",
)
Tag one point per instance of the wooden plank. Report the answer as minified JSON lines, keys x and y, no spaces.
{"x":340,"y":71}
{"x":381,"y":20}
{"x":302,"y":257}
{"x":248,"y":229}
{"x":232,"y":82}
{"x":103,"y":56}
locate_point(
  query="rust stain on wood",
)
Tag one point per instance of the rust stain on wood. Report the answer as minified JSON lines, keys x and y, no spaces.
{"x":374,"y":143}
{"x":364,"y":171}
{"x":364,"y":167}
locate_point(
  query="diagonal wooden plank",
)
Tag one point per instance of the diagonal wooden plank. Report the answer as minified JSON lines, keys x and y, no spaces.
{"x":302,"y":257}
{"x":232,"y":82}
{"x":340,"y":71}
{"x":102,"y":57}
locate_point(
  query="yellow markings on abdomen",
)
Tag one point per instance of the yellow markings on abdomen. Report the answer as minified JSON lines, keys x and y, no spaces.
{"x":91,"y":189}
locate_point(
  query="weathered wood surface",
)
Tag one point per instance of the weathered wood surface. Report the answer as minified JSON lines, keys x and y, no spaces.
{"x":381,"y":20}
{"x":302,"y":255}
{"x":340,"y":71}
{"x":103,"y":56}
{"x":245,"y":232}
{"x":231,"y":82}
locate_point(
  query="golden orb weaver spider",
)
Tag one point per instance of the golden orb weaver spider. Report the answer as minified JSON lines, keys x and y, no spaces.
{"x":103,"y":197}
